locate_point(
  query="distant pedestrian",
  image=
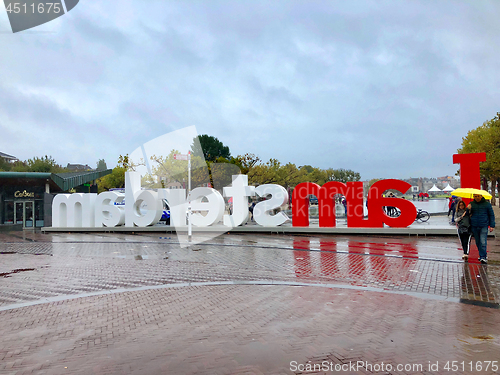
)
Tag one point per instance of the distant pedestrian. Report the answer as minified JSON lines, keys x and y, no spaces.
{"x":252,"y":206}
{"x":344,"y":203}
{"x":482,"y":219}
{"x":463,"y":227}
{"x":391,"y":211}
{"x":452,"y":208}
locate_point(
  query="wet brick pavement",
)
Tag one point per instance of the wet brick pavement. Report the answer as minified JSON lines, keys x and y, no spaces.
{"x":245,"y":304}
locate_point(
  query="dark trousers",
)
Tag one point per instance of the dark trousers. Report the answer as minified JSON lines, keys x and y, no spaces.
{"x":452,"y":212}
{"x":481,"y":235}
{"x":465,"y":241}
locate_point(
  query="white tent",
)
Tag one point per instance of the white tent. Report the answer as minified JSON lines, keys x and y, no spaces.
{"x":448,"y":188}
{"x":434,"y":189}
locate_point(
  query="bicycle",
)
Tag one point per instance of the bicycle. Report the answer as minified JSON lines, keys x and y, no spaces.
{"x":422,"y":216}
{"x":392,"y":211}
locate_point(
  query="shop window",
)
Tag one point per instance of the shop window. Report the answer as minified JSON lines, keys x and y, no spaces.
{"x":9,"y":212}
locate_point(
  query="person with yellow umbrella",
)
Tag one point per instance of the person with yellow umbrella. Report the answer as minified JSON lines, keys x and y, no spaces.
{"x":482,"y":217}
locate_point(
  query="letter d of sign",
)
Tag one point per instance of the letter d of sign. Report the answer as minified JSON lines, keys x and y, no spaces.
{"x":106,"y":213}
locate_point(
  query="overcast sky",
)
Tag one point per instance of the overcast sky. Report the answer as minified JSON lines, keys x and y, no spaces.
{"x":387,"y":89}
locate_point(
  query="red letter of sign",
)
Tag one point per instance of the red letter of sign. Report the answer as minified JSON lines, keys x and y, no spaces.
{"x":469,"y":169}
{"x":300,"y":203}
{"x":376,"y":204}
{"x":355,"y":214}
{"x":326,"y":204}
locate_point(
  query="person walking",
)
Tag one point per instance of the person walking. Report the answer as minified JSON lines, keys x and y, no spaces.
{"x":391,"y":211}
{"x":482,"y":219}
{"x":452,"y":208}
{"x":252,"y":206}
{"x":463,"y":228}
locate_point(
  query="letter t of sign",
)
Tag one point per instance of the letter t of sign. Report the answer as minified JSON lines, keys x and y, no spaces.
{"x":240,"y":191}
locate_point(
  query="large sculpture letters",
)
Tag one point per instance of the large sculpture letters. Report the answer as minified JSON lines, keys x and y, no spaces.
{"x":144,"y":207}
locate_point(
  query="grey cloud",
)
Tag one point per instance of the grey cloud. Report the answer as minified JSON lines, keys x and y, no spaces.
{"x":98,"y":34}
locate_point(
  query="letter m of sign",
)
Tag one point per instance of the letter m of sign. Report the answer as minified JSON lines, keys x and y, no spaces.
{"x":73,"y":210}
{"x":326,"y":203}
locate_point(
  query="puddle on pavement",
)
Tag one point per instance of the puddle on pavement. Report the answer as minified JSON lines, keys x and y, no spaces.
{"x":265,"y":354}
{"x":140,"y":257}
{"x":7,"y":274}
{"x":484,"y":338}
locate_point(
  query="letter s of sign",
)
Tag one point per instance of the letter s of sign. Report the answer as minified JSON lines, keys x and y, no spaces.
{"x":262,"y":212}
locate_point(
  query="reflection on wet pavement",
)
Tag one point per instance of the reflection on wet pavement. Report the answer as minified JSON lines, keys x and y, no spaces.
{"x":70,"y":264}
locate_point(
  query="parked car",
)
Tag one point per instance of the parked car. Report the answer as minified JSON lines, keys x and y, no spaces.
{"x":165,"y":217}
{"x":313,"y":200}
{"x":166,"y":213}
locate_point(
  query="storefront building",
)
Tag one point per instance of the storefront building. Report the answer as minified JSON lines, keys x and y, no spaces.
{"x":26,"y":197}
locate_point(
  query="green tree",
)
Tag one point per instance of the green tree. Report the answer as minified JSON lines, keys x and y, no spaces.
{"x":5,"y":165}
{"x":124,"y":162}
{"x":372,"y":181}
{"x":116,"y":179}
{"x":342,"y":175}
{"x":209,"y":148}
{"x":273,"y":172}
{"x":316,"y":175}
{"x":45,"y":164}
{"x":101,"y":165}
{"x":166,"y":170}
{"x":245,"y":162}
{"x":486,"y":138}
{"x":307,"y":168}
{"x":20,"y":166}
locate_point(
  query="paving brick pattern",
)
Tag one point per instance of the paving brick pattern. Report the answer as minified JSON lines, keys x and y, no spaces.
{"x":244,"y":330}
{"x":62,"y":268}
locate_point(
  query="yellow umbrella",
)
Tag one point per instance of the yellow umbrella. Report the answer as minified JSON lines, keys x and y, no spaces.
{"x":468,"y":193}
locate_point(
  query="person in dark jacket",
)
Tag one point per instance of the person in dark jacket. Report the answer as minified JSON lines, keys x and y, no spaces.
{"x":482,"y":219}
{"x":463,"y":227}
{"x":452,"y":208}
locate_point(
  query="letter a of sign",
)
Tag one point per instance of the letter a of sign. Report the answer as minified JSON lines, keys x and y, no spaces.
{"x":26,"y":14}
{"x":376,"y":204}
